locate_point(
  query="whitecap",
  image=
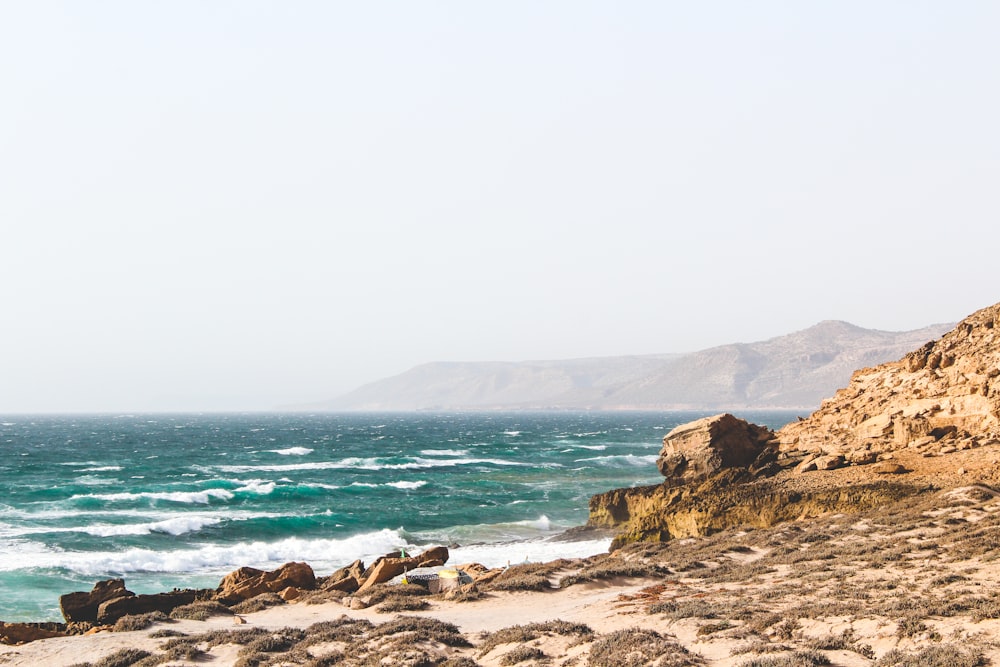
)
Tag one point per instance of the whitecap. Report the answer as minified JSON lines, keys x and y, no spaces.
{"x":101,"y":469}
{"x":293,"y":451}
{"x":445,"y":452}
{"x":198,"y":497}
{"x":407,"y":485}
{"x":619,"y":459}
{"x":512,"y":433}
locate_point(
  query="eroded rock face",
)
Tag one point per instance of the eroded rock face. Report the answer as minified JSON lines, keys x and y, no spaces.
{"x":83,"y":606}
{"x":699,"y":449}
{"x":942,"y":397}
{"x":248,"y":582}
{"x":111,"y":610}
{"x":22,"y":633}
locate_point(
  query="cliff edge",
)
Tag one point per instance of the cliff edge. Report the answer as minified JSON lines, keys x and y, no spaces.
{"x":928,"y":421}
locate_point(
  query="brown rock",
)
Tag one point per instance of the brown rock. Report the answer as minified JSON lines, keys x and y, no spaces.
{"x":385,"y":569}
{"x":340,"y":579}
{"x":828,"y":462}
{"x":290,"y":593}
{"x":358,"y":603}
{"x":886,"y":468}
{"x":111,"y":610}
{"x":437,"y":554}
{"x":248,"y":582}
{"x":699,"y":449}
{"x":22,"y":633}
{"x":83,"y":607}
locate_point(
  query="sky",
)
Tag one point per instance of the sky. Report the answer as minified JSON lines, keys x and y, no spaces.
{"x":244,"y":205}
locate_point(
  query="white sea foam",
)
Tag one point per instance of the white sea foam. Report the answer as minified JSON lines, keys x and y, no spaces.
{"x":445,"y":452}
{"x":102,"y":469}
{"x":512,"y":433}
{"x":530,"y":551}
{"x":257,"y":486}
{"x":293,"y":451}
{"x":596,"y":448}
{"x":355,"y":463}
{"x":198,"y":497}
{"x":407,"y":485}
{"x":619,"y":459}
{"x":322,"y":554}
{"x":176,"y":526}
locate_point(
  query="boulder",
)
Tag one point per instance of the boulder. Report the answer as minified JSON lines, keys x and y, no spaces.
{"x":385,"y":569}
{"x":697,"y":450}
{"x":111,"y":610}
{"x":22,"y":633}
{"x":83,"y":607}
{"x":345,"y":579}
{"x":248,"y":582}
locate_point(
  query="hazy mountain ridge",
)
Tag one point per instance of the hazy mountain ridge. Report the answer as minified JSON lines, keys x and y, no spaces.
{"x":793,"y":371}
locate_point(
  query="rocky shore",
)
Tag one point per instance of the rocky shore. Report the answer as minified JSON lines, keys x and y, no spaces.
{"x":865,"y":534}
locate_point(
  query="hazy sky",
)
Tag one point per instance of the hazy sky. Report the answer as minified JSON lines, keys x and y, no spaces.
{"x":240,"y":205}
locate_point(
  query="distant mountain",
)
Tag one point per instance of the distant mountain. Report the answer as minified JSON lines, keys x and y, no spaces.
{"x":793,"y":371}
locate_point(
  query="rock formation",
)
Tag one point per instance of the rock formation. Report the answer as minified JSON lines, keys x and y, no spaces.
{"x":721,"y":472}
{"x":940,"y":398}
{"x":699,"y":449}
{"x":248,"y":582}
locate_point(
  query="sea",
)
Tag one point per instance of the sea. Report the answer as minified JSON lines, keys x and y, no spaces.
{"x":179,"y":500}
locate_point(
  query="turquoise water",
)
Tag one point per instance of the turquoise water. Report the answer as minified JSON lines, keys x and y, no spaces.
{"x":179,"y":500}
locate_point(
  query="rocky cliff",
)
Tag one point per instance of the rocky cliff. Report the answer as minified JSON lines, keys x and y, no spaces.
{"x":926,"y":421}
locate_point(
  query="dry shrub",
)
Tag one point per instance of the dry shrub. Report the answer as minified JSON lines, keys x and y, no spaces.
{"x":201,"y":611}
{"x":125,"y":657}
{"x":521,"y":634}
{"x":637,"y":647}
{"x":943,"y":655}
{"x":134,"y":622}
{"x":521,"y":654}
{"x":258,"y":603}
{"x":807,"y":658}
{"x":401,"y":603}
{"x":420,"y":629}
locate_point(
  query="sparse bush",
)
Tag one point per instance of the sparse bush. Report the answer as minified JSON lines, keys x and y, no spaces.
{"x":945,"y":655}
{"x":125,"y":657}
{"x":636,"y":647}
{"x":712,"y":628}
{"x":521,"y":634}
{"x":258,"y":603}
{"x":134,"y":622}
{"x":521,"y":654}
{"x":201,"y":611}
{"x":397,"y":604}
{"x":806,"y":658}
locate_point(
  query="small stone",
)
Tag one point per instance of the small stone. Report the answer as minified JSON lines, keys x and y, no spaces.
{"x":961,"y":471}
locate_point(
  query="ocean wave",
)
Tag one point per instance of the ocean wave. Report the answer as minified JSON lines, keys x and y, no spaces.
{"x":596,"y":448}
{"x":444,"y":452}
{"x":257,"y":486}
{"x":196,"y":497}
{"x":293,"y":451}
{"x":355,"y":463}
{"x":619,"y":459}
{"x":210,"y":559}
{"x":102,"y":469}
{"x":407,"y":485}
{"x":175,"y":526}
{"x":512,"y":433}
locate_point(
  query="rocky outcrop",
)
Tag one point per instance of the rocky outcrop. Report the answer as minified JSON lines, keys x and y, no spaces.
{"x":697,"y":450}
{"x":942,"y":397}
{"x":22,"y":633}
{"x":248,"y":582}
{"x":729,"y":499}
{"x":723,"y":473}
{"x":111,"y":610}
{"x":83,"y":607}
